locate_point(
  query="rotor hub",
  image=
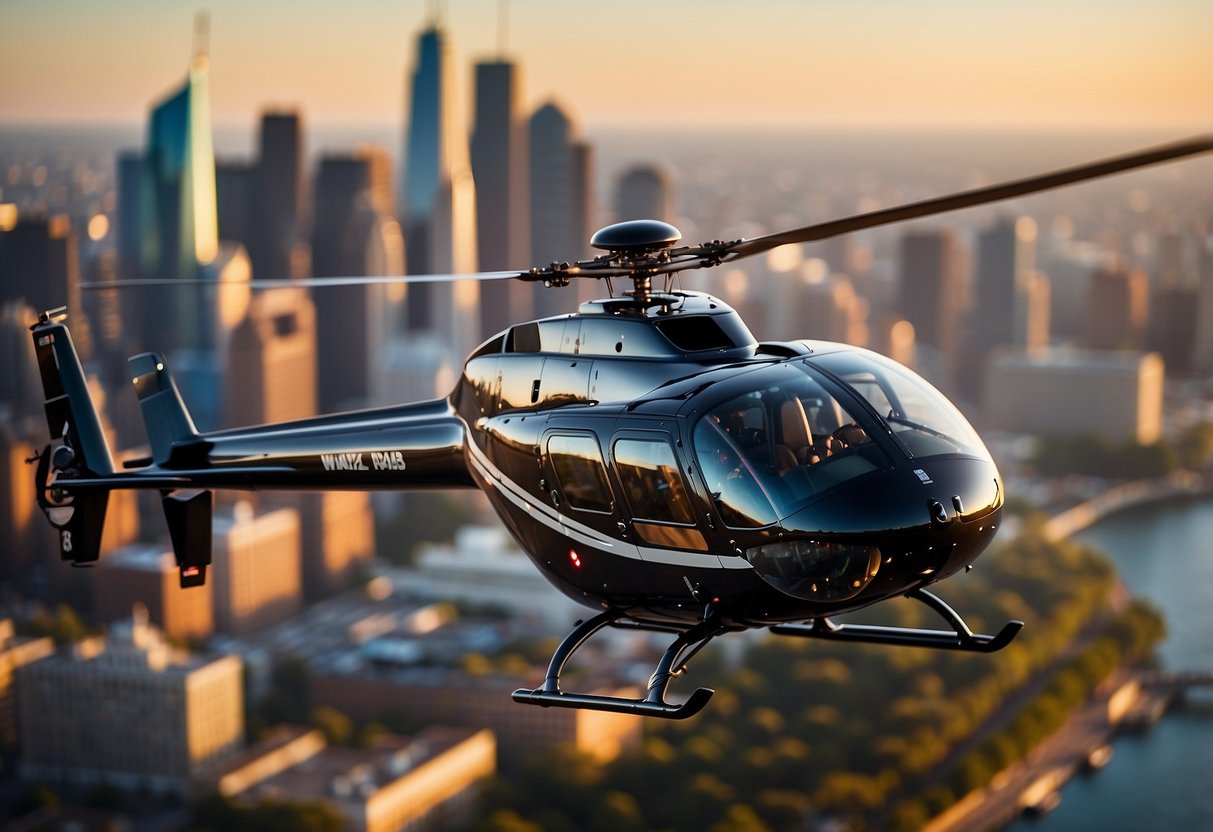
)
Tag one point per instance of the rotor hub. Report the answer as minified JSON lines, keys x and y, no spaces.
{"x":636,"y":237}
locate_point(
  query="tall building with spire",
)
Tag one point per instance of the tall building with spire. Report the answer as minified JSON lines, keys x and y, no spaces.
{"x":178,"y":215}
{"x":439,"y":199}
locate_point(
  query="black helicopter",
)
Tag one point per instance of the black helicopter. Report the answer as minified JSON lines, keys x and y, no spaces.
{"x":655,"y":462}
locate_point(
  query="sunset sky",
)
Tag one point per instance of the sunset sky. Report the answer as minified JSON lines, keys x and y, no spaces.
{"x":887,"y":63}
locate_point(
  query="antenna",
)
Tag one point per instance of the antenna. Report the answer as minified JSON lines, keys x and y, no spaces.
{"x":202,"y":39}
{"x":503,"y":27}
{"x":437,"y":12}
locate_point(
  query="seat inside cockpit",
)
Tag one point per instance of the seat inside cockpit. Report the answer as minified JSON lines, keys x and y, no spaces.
{"x":779,"y":444}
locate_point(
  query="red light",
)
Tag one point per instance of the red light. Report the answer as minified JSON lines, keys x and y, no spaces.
{"x":190,"y":572}
{"x":574,"y":558}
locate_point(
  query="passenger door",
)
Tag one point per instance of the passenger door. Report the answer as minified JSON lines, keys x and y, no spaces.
{"x":657,"y":505}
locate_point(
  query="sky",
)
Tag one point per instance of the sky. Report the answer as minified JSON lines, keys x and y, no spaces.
{"x":1076,"y":64}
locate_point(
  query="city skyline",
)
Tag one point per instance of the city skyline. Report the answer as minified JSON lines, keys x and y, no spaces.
{"x":936,"y":64}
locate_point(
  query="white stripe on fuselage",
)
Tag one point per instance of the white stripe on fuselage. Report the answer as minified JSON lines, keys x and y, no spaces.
{"x":591,"y":537}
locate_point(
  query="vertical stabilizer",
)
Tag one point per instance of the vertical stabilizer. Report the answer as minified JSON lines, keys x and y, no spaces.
{"x":70,"y":414}
{"x":164,"y":415}
{"x":82,"y":452}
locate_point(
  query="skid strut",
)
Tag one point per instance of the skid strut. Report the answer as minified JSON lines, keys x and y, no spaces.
{"x":960,"y":637}
{"x":673,"y":663}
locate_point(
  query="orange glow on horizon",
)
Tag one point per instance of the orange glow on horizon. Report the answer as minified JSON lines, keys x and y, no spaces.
{"x":1085,"y":64}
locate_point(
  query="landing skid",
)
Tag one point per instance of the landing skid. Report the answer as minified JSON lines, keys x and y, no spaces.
{"x":673,"y":663}
{"x":960,"y":637}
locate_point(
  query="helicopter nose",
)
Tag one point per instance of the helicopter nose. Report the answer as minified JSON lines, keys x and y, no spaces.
{"x":931,"y":519}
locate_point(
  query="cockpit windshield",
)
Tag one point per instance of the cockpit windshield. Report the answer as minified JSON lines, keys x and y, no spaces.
{"x":765,"y":452}
{"x":921,"y":417}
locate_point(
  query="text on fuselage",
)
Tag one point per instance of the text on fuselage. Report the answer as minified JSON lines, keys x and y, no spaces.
{"x":380,"y":461}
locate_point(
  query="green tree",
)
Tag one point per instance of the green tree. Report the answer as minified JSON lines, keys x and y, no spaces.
{"x":337,"y":727}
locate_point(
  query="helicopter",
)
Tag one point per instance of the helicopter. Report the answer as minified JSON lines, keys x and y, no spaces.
{"x":655,"y":461}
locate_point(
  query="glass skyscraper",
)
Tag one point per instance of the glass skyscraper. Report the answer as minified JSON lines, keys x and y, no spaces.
{"x":178,"y":217}
{"x":439,"y":200}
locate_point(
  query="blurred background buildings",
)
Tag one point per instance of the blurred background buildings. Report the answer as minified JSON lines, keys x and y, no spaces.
{"x":1052,"y":316}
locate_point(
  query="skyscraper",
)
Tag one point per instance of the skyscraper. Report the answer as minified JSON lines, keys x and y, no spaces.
{"x":1118,"y":307}
{"x":644,"y":192}
{"x":278,"y":204}
{"x":500,"y":155}
{"x":1011,"y":299}
{"x":439,"y":199}
{"x":561,"y":195}
{"x":271,"y":372}
{"x":1006,"y":260}
{"x":257,"y":580}
{"x":178,"y":215}
{"x":930,"y":296}
{"x":931,"y":289}
{"x":353,"y":234}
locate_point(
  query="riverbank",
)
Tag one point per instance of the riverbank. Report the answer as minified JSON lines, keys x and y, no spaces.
{"x":1124,"y":496}
{"x":1064,"y":754}
{"x":1034,"y":782}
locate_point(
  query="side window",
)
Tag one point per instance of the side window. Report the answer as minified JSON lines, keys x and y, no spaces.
{"x":657,"y":495}
{"x":580,"y":473}
{"x":651,"y":479}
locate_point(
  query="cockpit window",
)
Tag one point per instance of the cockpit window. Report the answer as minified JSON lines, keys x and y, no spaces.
{"x":763,"y":453}
{"x":921,"y":417}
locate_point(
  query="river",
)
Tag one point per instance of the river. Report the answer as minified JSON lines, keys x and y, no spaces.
{"x":1162,"y":779}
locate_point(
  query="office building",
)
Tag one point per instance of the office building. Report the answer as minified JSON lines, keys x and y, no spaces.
{"x":500,"y":155}
{"x":484,"y":568}
{"x":830,"y":310}
{"x":256,"y":573}
{"x":20,"y":385}
{"x":644,"y":192}
{"x":235,"y":188}
{"x":932,"y":295}
{"x":1202,"y":347}
{"x":15,"y":653}
{"x":423,"y":784}
{"x":1174,"y":322}
{"x":280,"y":197}
{"x":38,"y":265}
{"x":932,"y":287}
{"x":353,"y":234}
{"x":445,"y":697}
{"x":129,"y":711}
{"x":1118,"y":308}
{"x":1006,"y":262}
{"x":1070,"y":264}
{"x":561,"y":203}
{"x":271,"y":367}
{"x":1118,"y":395}
{"x":337,"y":530}
{"x":147,"y":574}
{"x":27,"y":536}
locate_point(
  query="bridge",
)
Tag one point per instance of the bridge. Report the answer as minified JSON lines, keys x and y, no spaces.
{"x":1178,"y":681}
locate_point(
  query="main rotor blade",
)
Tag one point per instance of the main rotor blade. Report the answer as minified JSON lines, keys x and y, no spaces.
{"x":302,"y":282}
{"x":978,"y":196}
